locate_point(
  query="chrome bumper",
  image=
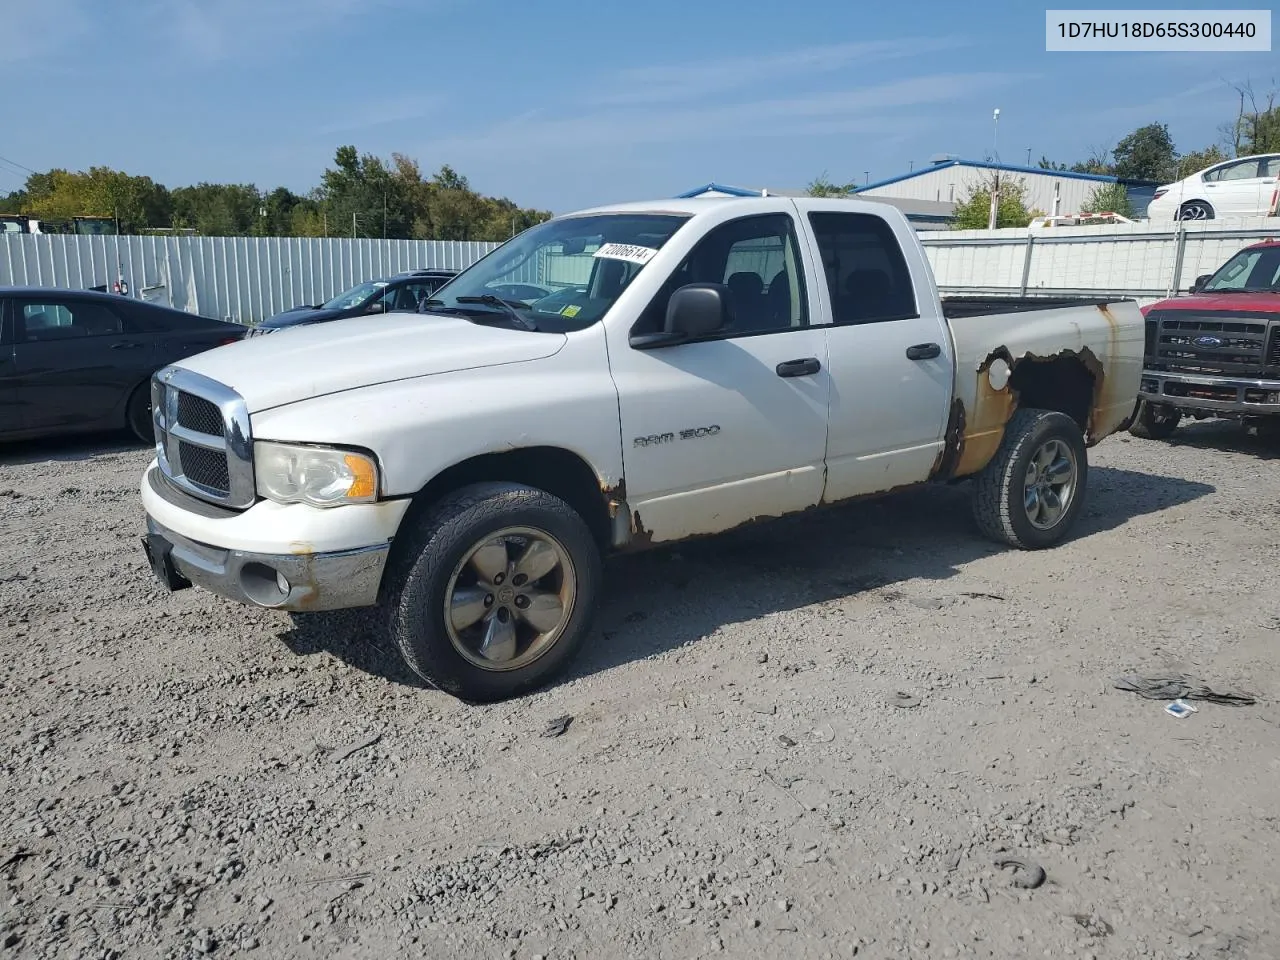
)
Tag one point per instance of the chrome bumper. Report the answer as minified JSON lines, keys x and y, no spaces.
{"x":1222,"y":395}
{"x":297,"y":582}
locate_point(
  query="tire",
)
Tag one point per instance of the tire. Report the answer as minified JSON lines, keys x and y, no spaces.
{"x":1155,"y":421}
{"x":1000,"y":496}
{"x":1196,"y":210}
{"x":137,"y":413}
{"x":435,"y":566}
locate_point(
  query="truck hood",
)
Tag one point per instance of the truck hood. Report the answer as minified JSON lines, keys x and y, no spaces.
{"x":312,"y":361}
{"x":1260,"y":301}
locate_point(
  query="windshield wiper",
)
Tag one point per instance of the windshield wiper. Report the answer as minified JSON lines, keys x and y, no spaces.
{"x":507,"y":306}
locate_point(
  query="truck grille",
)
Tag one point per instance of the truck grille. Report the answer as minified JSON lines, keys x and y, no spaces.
{"x":1222,"y":344}
{"x":203,"y":442}
{"x":201,"y":415}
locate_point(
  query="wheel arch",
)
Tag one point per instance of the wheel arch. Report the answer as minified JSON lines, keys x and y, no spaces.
{"x":1070,"y":382}
{"x":555,"y":470}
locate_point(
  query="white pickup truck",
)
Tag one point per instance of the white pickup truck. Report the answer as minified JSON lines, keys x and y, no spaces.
{"x":689,"y":366}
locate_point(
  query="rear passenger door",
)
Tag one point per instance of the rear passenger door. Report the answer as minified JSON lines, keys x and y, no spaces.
{"x":76,"y":361}
{"x":891,"y":356}
{"x":1235,"y":190}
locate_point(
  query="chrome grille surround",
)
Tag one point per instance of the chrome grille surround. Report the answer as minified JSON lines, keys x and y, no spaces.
{"x":202,"y":476}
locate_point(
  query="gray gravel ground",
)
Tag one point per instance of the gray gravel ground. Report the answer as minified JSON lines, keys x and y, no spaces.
{"x":185,"y":777}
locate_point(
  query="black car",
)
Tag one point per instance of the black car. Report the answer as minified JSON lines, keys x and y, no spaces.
{"x":75,"y":361}
{"x":404,"y":291}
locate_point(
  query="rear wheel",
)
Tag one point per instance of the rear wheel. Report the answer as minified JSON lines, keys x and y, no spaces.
{"x":495,"y":592}
{"x":138,"y":414}
{"x":1155,"y":421}
{"x":1031,"y":492}
{"x":1195,"y":210}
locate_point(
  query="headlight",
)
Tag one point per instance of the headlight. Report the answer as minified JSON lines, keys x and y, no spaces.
{"x":320,"y":476}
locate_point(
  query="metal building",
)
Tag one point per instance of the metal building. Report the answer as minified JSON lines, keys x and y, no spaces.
{"x":948,"y":179}
{"x":923,"y":214}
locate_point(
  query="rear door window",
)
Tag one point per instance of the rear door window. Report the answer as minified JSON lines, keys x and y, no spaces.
{"x":867,"y":275}
{"x":43,"y":320}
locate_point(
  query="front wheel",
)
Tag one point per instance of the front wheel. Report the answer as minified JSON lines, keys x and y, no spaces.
{"x":1030,"y":493}
{"x":495,"y":592}
{"x":1155,"y":421}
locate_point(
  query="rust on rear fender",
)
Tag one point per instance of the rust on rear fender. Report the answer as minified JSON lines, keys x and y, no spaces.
{"x":973,"y":437}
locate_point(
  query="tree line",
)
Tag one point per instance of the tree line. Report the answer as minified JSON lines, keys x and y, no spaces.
{"x":1148,"y":153}
{"x":360,"y":195}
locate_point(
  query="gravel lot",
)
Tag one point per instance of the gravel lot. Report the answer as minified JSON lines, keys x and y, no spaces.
{"x":186,"y":777}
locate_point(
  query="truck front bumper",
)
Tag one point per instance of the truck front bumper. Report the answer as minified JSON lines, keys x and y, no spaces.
{"x":287,"y":557}
{"x":1216,"y":396}
{"x":299,"y":582}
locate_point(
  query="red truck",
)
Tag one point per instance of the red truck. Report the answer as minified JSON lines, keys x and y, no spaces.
{"x":1216,"y":351}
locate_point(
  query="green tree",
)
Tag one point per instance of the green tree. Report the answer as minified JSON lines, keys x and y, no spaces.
{"x":363,"y":198}
{"x":1197,"y":160}
{"x":1147,"y":154}
{"x":217,"y":209}
{"x":820,"y":186}
{"x":136,"y":202}
{"x":973,"y":210}
{"x":1256,"y":127}
{"x":1110,"y":198}
{"x":13,"y":202}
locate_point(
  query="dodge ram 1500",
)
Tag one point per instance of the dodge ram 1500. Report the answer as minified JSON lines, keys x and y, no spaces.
{"x":699,"y":365}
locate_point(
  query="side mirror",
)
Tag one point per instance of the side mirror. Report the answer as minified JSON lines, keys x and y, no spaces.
{"x":694,"y":311}
{"x":377,"y":307}
{"x":1200,"y":282}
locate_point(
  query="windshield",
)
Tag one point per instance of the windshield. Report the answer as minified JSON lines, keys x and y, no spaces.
{"x":1249,"y":271}
{"x":562,"y":275}
{"x":355,"y":296}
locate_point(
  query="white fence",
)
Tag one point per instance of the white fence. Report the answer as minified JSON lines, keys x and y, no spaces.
{"x":235,"y":278}
{"x":249,"y":279}
{"x":1139,"y":260}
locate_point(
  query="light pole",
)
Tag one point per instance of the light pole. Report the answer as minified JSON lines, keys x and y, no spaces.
{"x":993,"y":214}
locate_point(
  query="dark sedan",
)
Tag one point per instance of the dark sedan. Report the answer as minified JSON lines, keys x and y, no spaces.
{"x":401,"y":292}
{"x":75,"y":361}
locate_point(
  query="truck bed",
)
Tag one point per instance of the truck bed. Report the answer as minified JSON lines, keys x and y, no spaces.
{"x":954,"y":308}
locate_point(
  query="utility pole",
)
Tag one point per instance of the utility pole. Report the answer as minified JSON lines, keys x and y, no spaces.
{"x":1028,"y":156}
{"x":384,"y":214}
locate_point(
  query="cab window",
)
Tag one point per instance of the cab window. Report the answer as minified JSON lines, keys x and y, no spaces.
{"x":757,"y":260}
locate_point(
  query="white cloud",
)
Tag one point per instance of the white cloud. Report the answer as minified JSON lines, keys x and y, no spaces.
{"x":37,"y":29}
{"x":674,"y":82}
{"x":385,"y":113}
{"x":871,"y":109}
{"x":215,"y":30}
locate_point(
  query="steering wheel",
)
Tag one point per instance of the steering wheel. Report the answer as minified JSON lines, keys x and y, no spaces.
{"x":519,"y":291}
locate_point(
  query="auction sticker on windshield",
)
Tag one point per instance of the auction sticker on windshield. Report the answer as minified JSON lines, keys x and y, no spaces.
{"x":629,"y":252}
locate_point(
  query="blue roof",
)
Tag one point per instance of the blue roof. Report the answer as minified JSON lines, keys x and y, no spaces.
{"x":988,"y":165}
{"x":707,"y":188}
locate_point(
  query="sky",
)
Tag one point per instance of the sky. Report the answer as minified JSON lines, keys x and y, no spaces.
{"x":570,"y":104}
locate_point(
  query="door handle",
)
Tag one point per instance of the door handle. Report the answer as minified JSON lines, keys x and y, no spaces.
{"x":125,"y":345}
{"x":924,"y":351}
{"x":798,"y":368}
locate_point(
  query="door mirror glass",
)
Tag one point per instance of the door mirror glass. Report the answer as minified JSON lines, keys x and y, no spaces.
{"x":1200,"y":282}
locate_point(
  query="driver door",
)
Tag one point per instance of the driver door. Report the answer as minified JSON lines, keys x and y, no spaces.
{"x":732,"y":427}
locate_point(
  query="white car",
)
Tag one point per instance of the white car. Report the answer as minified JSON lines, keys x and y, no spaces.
{"x":1244,"y":187}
